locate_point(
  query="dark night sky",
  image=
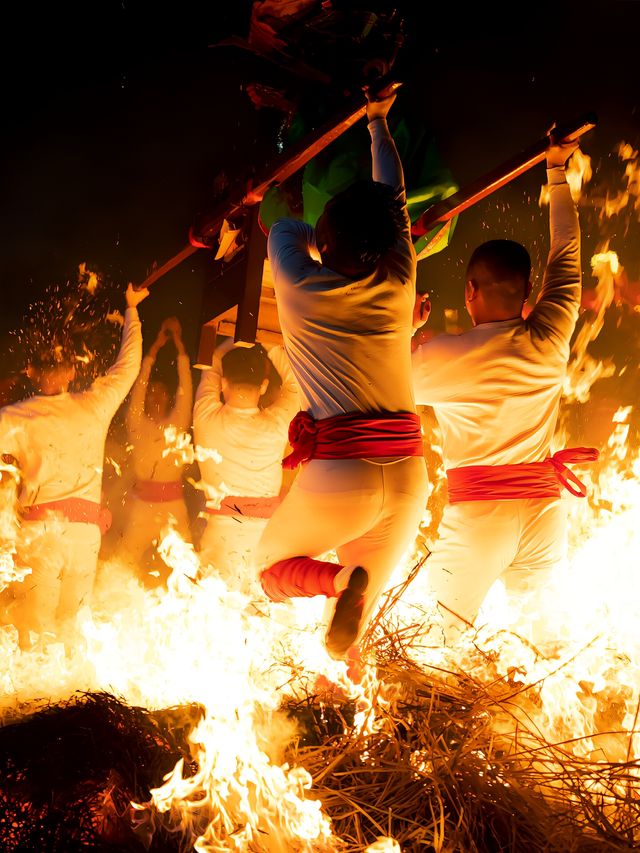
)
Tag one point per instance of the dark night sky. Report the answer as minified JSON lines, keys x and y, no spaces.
{"x":117,"y":117}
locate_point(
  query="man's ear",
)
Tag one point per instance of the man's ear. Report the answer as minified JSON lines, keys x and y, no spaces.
{"x":471,"y":290}
{"x":527,"y":290}
{"x":264,"y":386}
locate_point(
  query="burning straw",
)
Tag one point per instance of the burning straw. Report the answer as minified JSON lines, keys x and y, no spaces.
{"x":450,"y":763}
{"x":440,"y":760}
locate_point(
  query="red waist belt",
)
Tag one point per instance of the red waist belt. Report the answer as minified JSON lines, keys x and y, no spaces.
{"x":526,"y":480}
{"x":355,"y":435}
{"x":155,"y":491}
{"x":251,"y":507}
{"x":73,"y":509}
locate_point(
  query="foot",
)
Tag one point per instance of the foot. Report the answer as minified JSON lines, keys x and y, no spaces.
{"x":345,"y":624}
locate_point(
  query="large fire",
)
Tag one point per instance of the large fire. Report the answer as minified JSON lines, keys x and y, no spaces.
{"x":562,"y":681}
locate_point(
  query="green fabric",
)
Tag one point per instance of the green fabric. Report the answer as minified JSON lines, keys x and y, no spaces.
{"x":348,"y":159}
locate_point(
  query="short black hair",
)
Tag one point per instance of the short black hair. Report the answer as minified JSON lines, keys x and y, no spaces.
{"x":47,"y":353}
{"x":505,"y":260}
{"x":362,"y":223}
{"x":245,"y":365}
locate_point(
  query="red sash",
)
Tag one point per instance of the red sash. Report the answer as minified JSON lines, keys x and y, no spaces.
{"x":525,"y":480}
{"x":251,"y":507}
{"x":299,"y":576}
{"x":73,"y":509}
{"x":355,"y":435}
{"x":155,"y":491}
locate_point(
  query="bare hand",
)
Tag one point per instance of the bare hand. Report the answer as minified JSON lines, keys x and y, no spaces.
{"x":379,"y":105}
{"x":421,"y":310}
{"x":171,"y":328}
{"x":559,"y":152}
{"x":135,"y":297}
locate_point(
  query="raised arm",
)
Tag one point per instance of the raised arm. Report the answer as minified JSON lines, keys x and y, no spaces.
{"x":291,"y":247}
{"x":554,"y":317}
{"x":108,"y":391}
{"x":181,"y":414}
{"x":387,"y":169}
{"x":287,"y":403}
{"x":207,"y":401}
{"x":135,"y":412}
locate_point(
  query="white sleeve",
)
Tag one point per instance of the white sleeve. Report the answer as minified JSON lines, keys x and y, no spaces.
{"x":108,"y":391}
{"x":289,"y":248}
{"x":554,"y":317}
{"x":400,"y":260}
{"x":288,"y":401}
{"x":208,"y":400}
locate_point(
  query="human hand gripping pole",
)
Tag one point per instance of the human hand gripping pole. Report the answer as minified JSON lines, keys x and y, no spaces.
{"x":556,"y":138}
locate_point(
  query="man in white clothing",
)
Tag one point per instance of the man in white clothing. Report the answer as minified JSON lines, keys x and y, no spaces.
{"x":157,"y":494}
{"x":346,"y":296}
{"x":242,"y":477}
{"x":57,"y":439}
{"x":495,"y":391}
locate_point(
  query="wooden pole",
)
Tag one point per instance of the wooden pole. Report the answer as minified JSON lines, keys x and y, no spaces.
{"x":445,"y":210}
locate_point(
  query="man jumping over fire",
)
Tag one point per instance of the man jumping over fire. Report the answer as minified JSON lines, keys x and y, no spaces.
{"x":496,"y":391}
{"x":57,"y":438}
{"x":346,"y":296}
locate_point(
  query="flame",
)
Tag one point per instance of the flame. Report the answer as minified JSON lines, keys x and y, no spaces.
{"x":384,"y":845}
{"x":629,"y":197}
{"x":578,"y":172}
{"x":180,"y":445}
{"x":199,"y":642}
{"x":583,"y":369}
{"x":9,"y":483}
{"x":88,"y":279}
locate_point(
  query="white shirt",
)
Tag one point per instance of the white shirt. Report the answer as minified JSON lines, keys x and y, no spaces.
{"x":147,"y":435}
{"x":251,"y":441}
{"x":496,"y":388}
{"x":349,"y":341}
{"x":58,"y":440}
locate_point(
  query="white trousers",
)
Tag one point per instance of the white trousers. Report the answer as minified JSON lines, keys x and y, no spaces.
{"x":520,"y":541}
{"x":368,"y":512}
{"x":63,"y":556}
{"x":229,"y":545}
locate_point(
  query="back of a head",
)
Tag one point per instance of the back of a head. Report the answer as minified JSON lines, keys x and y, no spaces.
{"x":51,"y":365}
{"x":245,"y":365}
{"x":358,"y":226}
{"x":501,"y":270}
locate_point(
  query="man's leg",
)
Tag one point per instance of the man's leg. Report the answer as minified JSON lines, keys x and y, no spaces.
{"x":41,"y":549}
{"x":138,"y":533}
{"x":228,"y":546}
{"x":382,"y":547}
{"x":543,"y":548}
{"x":477,"y":541}
{"x":82,"y":544}
{"x":331,"y":503}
